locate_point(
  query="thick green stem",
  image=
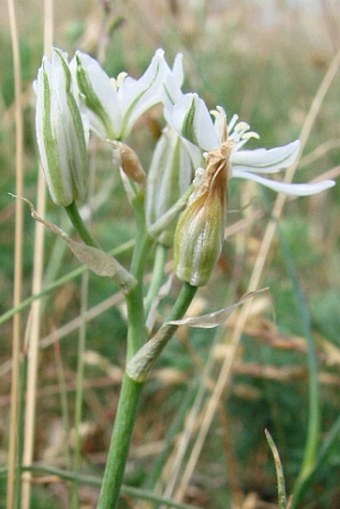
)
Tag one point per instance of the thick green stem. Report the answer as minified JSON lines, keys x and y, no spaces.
{"x":128,"y":404}
{"x":131,"y":390}
{"x":137,"y":333}
{"x":78,"y":223}
{"x":120,"y":442}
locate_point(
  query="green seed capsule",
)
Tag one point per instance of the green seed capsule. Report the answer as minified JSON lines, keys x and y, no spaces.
{"x":200,"y":229}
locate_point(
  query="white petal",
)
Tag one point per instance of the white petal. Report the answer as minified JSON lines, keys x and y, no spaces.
{"x":177,"y":69}
{"x":173,"y":82}
{"x":60,"y":131}
{"x":137,"y":96}
{"x":282,"y":187}
{"x":100,"y":97}
{"x":191,"y":119}
{"x":266,"y":161}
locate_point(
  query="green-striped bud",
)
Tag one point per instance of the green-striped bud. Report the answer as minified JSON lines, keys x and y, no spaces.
{"x":200,"y":229}
{"x":60,"y":132}
{"x":169,"y":177}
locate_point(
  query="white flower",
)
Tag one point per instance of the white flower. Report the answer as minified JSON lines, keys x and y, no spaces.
{"x":189,"y":116}
{"x":169,"y":177}
{"x":60,"y":131}
{"x":115,"y":105}
{"x":172,"y":87}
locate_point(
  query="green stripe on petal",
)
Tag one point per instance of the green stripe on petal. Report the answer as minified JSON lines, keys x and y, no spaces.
{"x":60,"y":195}
{"x":60,"y":132}
{"x":92,"y":101}
{"x":188,"y":127}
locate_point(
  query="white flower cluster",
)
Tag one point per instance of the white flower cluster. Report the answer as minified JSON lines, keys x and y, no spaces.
{"x":73,"y":97}
{"x":77,"y":97}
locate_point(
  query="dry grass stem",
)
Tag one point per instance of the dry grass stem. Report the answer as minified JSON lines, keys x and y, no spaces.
{"x":16,"y":337}
{"x":38,"y":267}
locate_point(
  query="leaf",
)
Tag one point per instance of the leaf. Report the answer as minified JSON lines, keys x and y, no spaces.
{"x":99,"y":262}
{"x":281,"y":488}
{"x":216,"y":318}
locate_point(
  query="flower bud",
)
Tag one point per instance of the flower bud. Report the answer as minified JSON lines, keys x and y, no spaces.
{"x":200,"y":229}
{"x":60,"y":132}
{"x":169,"y":176}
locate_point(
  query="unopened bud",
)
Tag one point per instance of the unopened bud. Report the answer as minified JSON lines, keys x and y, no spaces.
{"x":60,"y":132}
{"x":200,"y":229}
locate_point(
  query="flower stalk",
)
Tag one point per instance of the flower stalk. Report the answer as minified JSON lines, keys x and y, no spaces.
{"x":73,"y":213}
{"x":120,"y":442}
{"x":139,"y":367}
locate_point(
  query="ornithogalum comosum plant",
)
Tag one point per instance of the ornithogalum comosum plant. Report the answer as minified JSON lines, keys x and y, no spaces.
{"x":180,"y":203}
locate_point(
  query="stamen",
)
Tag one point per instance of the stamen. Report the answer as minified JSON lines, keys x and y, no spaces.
{"x":232,"y":123}
{"x":241,"y":127}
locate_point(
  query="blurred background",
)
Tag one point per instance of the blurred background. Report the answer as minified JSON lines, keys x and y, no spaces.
{"x":265,"y":61}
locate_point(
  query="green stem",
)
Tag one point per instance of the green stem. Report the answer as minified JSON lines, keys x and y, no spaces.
{"x":131,"y":390}
{"x":78,"y":223}
{"x":181,"y":305}
{"x":141,"y":364}
{"x":157,"y":276}
{"x":120,"y":442}
{"x":137,"y":333}
{"x":313,"y":427}
{"x":325,"y":451}
{"x":128,"y":405}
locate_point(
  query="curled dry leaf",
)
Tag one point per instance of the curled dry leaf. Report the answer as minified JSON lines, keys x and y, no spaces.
{"x":216,"y":318}
{"x":99,"y":262}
